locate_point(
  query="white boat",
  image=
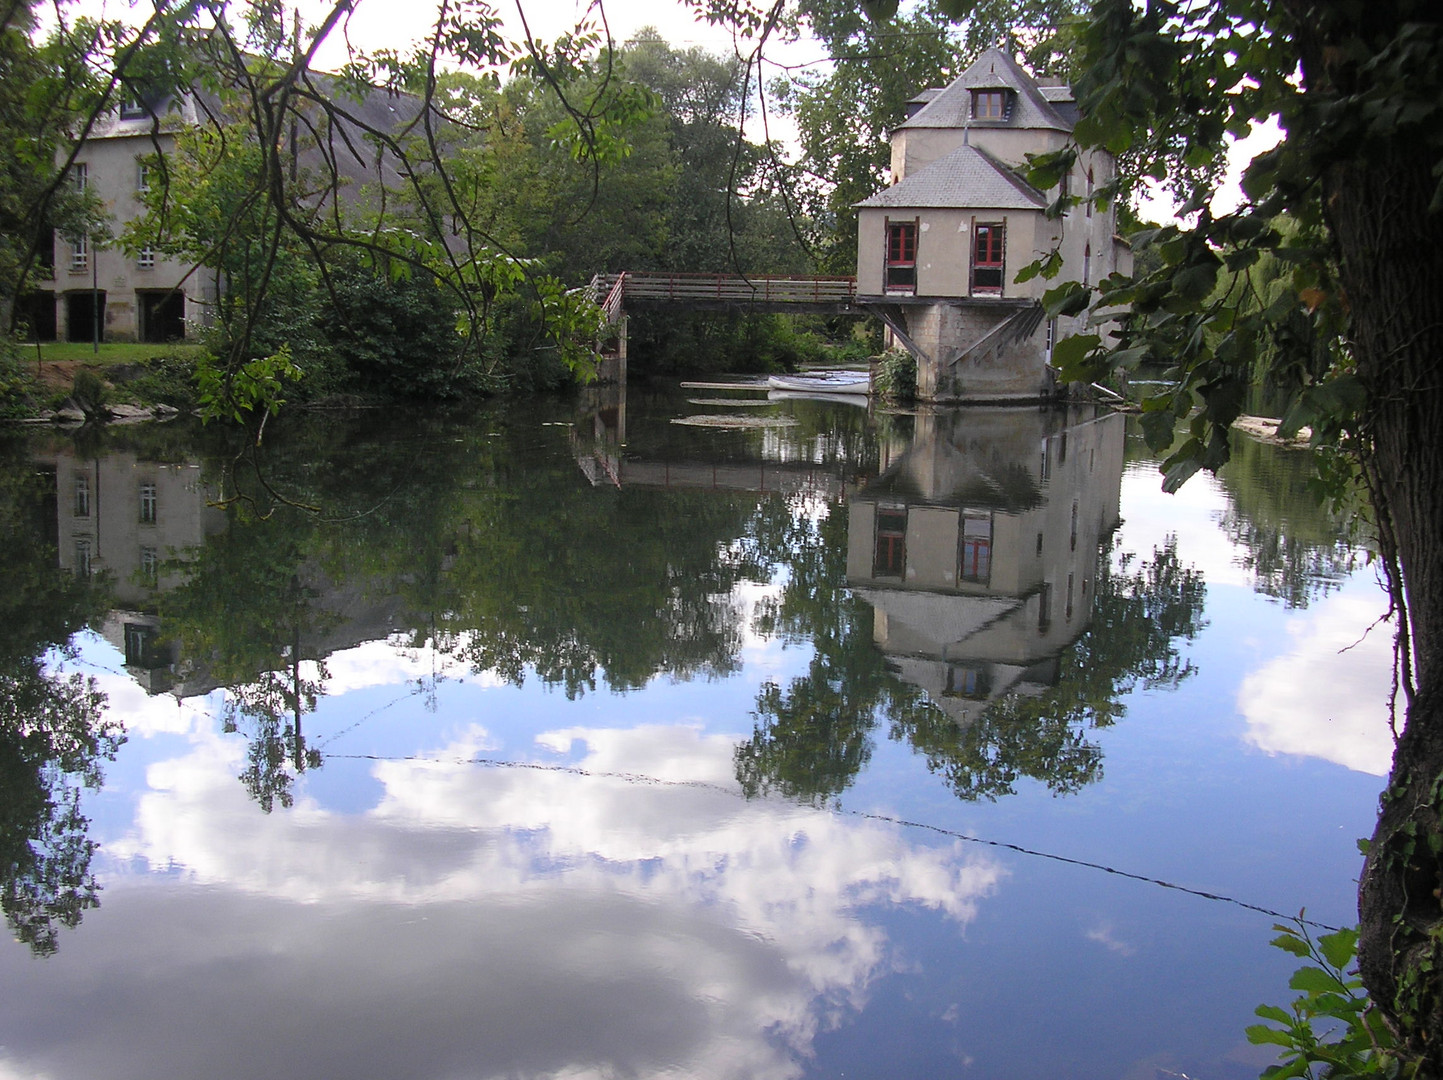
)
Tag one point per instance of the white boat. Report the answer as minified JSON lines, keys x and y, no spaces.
{"x":823,"y":382}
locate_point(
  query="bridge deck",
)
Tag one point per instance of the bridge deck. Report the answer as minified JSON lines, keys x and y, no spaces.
{"x":713,"y":292}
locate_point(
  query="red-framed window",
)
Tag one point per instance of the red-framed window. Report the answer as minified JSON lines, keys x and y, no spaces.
{"x":989,"y":241}
{"x":900,"y":269}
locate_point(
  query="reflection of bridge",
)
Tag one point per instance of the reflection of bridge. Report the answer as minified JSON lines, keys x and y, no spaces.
{"x":766,"y":477}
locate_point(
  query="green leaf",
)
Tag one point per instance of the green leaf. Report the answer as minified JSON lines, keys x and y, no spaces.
{"x":1314,"y":980}
{"x":1069,"y":353}
{"x":1338,"y":948}
{"x":1258,"y":1034}
{"x":1291,"y":943}
{"x":1272,"y":1012}
{"x":1070,"y":298}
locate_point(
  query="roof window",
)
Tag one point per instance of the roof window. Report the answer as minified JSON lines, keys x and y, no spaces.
{"x":991,"y":104}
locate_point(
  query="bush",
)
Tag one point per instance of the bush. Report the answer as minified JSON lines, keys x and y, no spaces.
{"x":896,"y":379}
{"x":396,"y":335}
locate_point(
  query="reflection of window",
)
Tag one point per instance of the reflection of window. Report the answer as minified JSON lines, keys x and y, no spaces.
{"x":901,"y":266}
{"x":82,"y":557}
{"x":889,"y":558}
{"x":141,"y":646}
{"x":1067,"y":611}
{"x":976,"y":556}
{"x":987,"y":244}
{"x":1039,"y":545}
{"x":963,"y":680}
{"x":1073,"y":540}
{"x":989,"y":104}
{"x":1044,"y":472}
{"x":149,"y":565}
{"x":147,"y":504}
{"x":82,"y":495}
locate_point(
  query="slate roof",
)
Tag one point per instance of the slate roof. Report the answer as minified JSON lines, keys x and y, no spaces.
{"x":994,"y":69}
{"x":966,"y":177}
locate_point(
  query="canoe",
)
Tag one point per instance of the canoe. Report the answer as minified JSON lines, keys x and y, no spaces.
{"x":823,"y":382}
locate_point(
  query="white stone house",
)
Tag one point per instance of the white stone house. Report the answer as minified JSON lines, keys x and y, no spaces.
{"x":88,"y":286}
{"x":938,"y":251}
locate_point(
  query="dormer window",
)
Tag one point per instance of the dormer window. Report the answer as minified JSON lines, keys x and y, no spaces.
{"x":989,"y":104}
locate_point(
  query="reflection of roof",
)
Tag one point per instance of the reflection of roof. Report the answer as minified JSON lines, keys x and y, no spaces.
{"x":994,"y":69}
{"x":1009,"y":488}
{"x":939,"y":618}
{"x":968,"y":176}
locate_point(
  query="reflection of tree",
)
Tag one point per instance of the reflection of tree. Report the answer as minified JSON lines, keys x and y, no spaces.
{"x":1295,"y":549}
{"x":52,"y":734}
{"x":813,"y":737}
{"x":1137,"y":618}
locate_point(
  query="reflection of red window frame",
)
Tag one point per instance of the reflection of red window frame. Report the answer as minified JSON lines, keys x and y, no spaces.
{"x":989,"y":245}
{"x":899,"y":273}
{"x":889,"y":555}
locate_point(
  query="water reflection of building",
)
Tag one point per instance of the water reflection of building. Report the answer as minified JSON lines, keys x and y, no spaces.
{"x":130,"y":519}
{"x":977,"y":547}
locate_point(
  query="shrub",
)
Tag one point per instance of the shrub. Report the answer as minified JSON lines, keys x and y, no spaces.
{"x":896,"y":379}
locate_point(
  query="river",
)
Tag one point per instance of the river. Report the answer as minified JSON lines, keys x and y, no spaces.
{"x":669,"y":734}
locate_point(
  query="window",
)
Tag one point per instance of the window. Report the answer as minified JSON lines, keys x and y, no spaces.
{"x":82,"y":557}
{"x":964,"y":680}
{"x":147,"y":504}
{"x":889,"y":558}
{"x":142,"y":177}
{"x":149,"y":565}
{"x":989,"y":104}
{"x":145,"y":258}
{"x":1087,"y":263}
{"x":1044,"y":607}
{"x":80,"y":174}
{"x":1089,"y":192}
{"x":988,"y":243}
{"x":1072,"y":543}
{"x":1051,"y":337}
{"x":1068,"y":612}
{"x":79,"y":254}
{"x":975,"y":562}
{"x":82,"y":495}
{"x":901,"y":265}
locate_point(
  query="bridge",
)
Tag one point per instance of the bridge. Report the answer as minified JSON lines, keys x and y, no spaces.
{"x":967,"y":348}
{"x":616,"y":293}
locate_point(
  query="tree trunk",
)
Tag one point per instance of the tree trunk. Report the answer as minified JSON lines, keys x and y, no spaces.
{"x":1391,"y":251}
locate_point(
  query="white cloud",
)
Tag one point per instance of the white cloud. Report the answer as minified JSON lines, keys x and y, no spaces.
{"x":734,"y":929}
{"x":1326,"y":697}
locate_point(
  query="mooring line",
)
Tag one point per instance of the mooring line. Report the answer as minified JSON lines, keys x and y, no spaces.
{"x":656,"y":781}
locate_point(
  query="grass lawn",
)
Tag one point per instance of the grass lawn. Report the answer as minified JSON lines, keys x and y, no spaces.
{"x":120,"y":352}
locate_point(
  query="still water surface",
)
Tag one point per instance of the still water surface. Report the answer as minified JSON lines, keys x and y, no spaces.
{"x":568,"y":740}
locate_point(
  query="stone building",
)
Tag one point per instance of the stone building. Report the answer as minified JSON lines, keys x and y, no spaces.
{"x":90,"y":287}
{"x":938,"y":251}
